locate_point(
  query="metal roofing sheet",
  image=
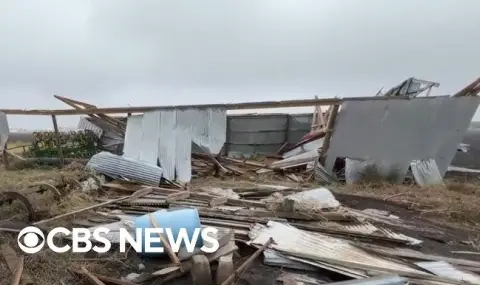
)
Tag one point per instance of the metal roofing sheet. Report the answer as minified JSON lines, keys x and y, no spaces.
{"x":127,"y":168}
{"x":133,"y":137}
{"x":150,"y":136}
{"x":295,"y":242}
{"x":399,"y":131}
{"x":167,"y":143}
{"x":426,"y":172}
{"x":85,"y":124}
{"x":445,"y":269}
{"x":183,"y":156}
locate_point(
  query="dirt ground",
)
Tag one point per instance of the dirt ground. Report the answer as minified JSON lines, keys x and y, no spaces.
{"x":445,"y":218}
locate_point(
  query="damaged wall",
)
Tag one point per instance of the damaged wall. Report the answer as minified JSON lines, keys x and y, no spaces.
{"x":166,"y":137}
{"x":395,"y":132}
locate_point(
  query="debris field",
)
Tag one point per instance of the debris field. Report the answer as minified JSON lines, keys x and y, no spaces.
{"x":365,"y":194}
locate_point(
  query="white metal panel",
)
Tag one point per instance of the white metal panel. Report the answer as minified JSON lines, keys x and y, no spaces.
{"x":399,"y":131}
{"x":150,"y":137}
{"x":183,"y":156}
{"x":133,"y":137}
{"x":167,"y":143}
{"x":294,"y":242}
{"x":426,"y":172}
{"x":445,"y":269}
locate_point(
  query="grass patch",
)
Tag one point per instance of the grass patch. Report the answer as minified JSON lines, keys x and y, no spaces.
{"x":454,"y":203}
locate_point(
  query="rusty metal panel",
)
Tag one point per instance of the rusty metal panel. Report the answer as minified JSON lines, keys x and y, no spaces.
{"x":399,"y":131}
{"x":133,"y":137}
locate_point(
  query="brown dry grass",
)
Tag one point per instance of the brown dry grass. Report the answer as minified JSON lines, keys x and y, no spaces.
{"x":455,"y":203}
{"x":47,"y":267}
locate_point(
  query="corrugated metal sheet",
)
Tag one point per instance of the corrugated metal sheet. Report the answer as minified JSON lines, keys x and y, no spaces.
{"x":123,"y":167}
{"x":183,"y":156}
{"x":399,"y":131}
{"x":379,"y":280}
{"x":321,"y":174}
{"x":368,"y":228}
{"x":150,"y":137}
{"x":313,"y":145}
{"x":273,"y":258}
{"x":85,"y":124}
{"x":133,"y":137}
{"x":217,"y":127}
{"x":426,"y":172}
{"x":445,"y":269}
{"x":167,"y":143}
{"x":316,"y":247}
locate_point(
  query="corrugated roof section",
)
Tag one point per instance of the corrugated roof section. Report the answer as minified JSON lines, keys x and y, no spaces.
{"x":85,"y":124}
{"x":314,"y":246}
{"x":123,"y":167}
{"x":445,"y":269}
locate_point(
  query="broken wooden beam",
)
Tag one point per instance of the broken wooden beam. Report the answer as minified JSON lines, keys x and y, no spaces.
{"x":11,"y":258}
{"x":177,"y":196}
{"x":92,"y":278}
{"x":165,"y":243}
{"x":18,"y":271}
{"x":246,"y":264}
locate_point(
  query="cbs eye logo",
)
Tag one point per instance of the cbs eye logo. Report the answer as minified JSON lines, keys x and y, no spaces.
{"x":31,"y":240}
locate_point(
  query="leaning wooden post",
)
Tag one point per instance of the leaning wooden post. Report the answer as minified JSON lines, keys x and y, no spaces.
{"x":328,"y":132}
{"x":57,"y":138}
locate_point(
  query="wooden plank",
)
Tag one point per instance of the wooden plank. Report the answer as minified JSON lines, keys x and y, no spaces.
{"x":230,"y":106}
{"x":329,"y":130}
{"x":242,"y":268}
{"x":135,"y":195}
{"x":92,"y":278}
{"x":218,"y":201}
{"x":166,"y":245}
{"x":11,"y":259}
{"x":177,"y":196}
{"x":18,"y":271}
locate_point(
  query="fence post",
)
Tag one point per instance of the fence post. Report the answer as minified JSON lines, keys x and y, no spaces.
{"x":57,"y":138}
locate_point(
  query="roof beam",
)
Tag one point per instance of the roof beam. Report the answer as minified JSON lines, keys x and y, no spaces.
{"x":229,"y":106}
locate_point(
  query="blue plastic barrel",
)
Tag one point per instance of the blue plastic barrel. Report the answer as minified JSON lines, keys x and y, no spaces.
{"x":175,"y":220}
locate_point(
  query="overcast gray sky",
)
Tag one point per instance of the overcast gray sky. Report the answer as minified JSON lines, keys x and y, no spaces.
{"x":154,"y":52}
